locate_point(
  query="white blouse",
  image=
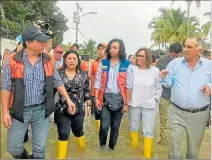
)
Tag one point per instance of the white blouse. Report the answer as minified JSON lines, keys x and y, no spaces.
{"x":145,"y":86}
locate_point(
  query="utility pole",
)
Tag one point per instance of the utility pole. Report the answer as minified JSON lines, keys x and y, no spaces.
{"x":77,"y":17}
{"x":188,"y":17}
{"x":77,"y":20}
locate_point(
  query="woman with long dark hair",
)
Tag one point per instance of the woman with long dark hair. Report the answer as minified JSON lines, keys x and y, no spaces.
{"x":110,"y":91}
{"x":76,"y":83}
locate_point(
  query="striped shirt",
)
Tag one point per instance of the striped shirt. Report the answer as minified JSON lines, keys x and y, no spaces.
{"x":33,"y":80}
{"x":112,"y":83}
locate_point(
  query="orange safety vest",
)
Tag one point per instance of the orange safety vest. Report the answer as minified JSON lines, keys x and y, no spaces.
{"x":122,"y":77}
{"x":93,"y":72}
{"x":17,"y":97}
{"x":84,"y":65}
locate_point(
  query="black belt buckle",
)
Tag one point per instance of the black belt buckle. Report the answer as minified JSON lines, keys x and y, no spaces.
{"x":192,"y":111}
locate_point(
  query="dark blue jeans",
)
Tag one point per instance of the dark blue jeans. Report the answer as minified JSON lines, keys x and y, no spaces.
{"x":110,"y":119}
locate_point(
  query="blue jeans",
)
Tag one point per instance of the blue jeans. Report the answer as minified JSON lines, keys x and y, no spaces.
{"x":40,"y":127}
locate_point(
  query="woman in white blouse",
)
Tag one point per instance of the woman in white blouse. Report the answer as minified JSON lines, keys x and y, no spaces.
{"x":144,"y":92}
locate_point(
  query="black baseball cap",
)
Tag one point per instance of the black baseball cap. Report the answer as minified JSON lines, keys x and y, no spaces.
{"x":32,"y":33}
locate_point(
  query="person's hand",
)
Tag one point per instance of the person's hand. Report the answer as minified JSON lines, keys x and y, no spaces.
{"x":98,"y":104}
{"x":71,"y":107}
{"x":163,"y":73}
{"x":125,"y":108}
{"x":50,"y":34}
{"x":206,"y":89}
{"x":6,"y":119}
{"x":89,"y":110}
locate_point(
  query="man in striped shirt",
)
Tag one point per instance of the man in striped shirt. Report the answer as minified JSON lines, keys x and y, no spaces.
{"x":26,"y":78}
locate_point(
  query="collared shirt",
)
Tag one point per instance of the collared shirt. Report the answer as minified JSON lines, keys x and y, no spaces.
{"x":59,"y":64}
{"x":186,"y":83}
{"x":33,"y":80}
{"x":145,"y":86}
{"x":112,"y":82}
{"x":77,"y":88}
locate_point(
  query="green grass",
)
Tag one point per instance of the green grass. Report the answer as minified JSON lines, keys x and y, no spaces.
{"x":122,"y":150}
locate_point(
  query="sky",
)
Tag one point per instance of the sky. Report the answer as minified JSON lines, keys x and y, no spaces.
{"x":127,"y":20}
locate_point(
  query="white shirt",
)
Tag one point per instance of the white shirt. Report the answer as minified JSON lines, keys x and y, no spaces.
{"x":146,"y":88}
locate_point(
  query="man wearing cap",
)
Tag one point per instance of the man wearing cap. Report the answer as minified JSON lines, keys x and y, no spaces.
{"x":28,"y":79}
{"x":58,"y":56}
{"x":94,"y":68}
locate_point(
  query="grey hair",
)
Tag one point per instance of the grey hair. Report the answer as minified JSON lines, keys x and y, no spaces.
{"x":200,"y":42}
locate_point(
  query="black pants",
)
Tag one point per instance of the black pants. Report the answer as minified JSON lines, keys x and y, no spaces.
{"x":110,"y":119}
{"x":94,"y":110}
{"x":67,"y":122}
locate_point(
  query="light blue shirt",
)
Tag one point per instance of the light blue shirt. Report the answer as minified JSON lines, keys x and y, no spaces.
{"x":112,"y":83}
{"x":185,"y":84}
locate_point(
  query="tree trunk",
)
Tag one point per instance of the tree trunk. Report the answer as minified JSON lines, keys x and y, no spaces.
{"x":2,"y":11}
{"x":188,"y":16}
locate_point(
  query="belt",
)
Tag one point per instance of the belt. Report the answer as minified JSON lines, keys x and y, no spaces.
{"x":34,"y":105}
{"x":192,"y":110}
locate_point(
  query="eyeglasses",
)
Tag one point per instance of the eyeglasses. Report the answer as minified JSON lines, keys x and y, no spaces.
{"x":139,"y":56}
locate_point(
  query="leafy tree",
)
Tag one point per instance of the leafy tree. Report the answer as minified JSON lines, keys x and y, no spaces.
{"x":15,"y":15}
{"x":66,"y":47}
{"x":206,"y":27}
{"x":89,"y":48}
{"x":171,"y":26}
{"x":188,"y":12}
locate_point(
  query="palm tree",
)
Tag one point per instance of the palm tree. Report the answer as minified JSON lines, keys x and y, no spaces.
{"x":188,"y":11}
{"x":171,"y":26}
{"x":206,"y":27}
{"x":89,"y":48}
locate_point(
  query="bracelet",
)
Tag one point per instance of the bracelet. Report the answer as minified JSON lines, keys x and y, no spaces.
{"x":89,"y":105}
{"x":126,"y":104}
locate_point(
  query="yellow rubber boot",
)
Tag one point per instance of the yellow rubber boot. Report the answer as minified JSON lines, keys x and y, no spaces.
{"x":134,"y":138}
{"x":81,"y":141}
{"x":97,"y":125}
{"x":62,"y":149}
{"x":148,"y":147}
